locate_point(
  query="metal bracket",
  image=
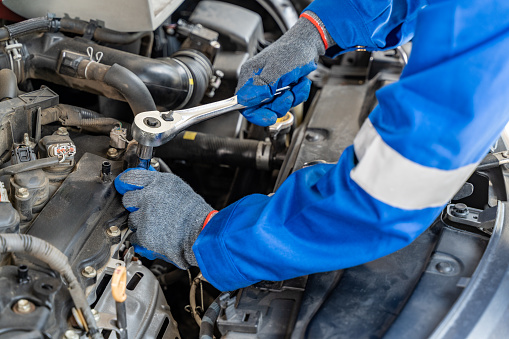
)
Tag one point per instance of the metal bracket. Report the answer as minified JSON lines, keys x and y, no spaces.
{"x":480,"y":219}
{"x":494,"y":160}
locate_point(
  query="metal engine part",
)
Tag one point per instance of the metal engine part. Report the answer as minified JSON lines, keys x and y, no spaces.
{"x":136,"y":15}
{"x":58,"y":164}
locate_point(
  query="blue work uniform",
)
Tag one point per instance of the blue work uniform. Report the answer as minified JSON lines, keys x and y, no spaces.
{"x":416,"y":149}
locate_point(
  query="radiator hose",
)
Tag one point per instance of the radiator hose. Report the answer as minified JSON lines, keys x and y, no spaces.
{"x":42,"y":24}
{"x":210,"y":317}
{"x":173,"y":83}
{"x":211,"y":149}
{"x":8,"y":84}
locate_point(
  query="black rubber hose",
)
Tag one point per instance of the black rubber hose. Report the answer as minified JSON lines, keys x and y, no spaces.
{"x":210,"y":317}
{"x":216,"y":150}
{"x":42,"y":24}
{"x":82,"y":112}
{"x":81,"y":117}
{"x":101,"y":34}
{"x":118,"y":38}
{"x":132,"y":88}
{"x":62,"y":111}
{"x":29,"y":165}
{"x":200,"y":69}
{"x":8,"y":84}
{"x":173,"y":82}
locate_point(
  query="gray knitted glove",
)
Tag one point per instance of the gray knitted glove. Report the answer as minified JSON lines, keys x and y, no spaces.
{"x":166,"y":214}
{"x":286,"y":62}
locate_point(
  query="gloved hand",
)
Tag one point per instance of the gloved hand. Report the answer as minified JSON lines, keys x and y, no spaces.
{"x":286,"y":62}
{"x":166,"y":215}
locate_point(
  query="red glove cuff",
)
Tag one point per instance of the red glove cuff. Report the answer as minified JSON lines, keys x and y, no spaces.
{"x":209,"y":216}
{"x":319,"y":26}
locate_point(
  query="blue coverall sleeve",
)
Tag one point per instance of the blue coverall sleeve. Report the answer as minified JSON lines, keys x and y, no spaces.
{"x":371,"y":24}
{"x":412,"y":154}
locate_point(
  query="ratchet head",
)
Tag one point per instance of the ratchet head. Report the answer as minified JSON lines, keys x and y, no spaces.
{"x":150,"y":129}
{"x":155,"y":128}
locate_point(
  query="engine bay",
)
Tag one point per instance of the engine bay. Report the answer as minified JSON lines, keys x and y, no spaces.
{"x":72,"y":81}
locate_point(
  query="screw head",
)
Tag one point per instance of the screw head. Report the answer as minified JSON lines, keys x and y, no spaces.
{"x":62,"y":131}
{"x":89,"y":272}
{"x":112,"y":152}
{"x":23,"y":193}
{"x":97,"y":315}
{"x":70,"y":334}
{"x":24,"y":306}
{"x":113,"y":231}
{"x":460,"y":210}
{"x":444,"y":267}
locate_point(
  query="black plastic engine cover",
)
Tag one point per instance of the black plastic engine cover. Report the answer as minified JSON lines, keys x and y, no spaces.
{"x":77,"y":216}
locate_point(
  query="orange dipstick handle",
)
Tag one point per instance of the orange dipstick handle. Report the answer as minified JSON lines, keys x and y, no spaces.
{"x":118,"y":284}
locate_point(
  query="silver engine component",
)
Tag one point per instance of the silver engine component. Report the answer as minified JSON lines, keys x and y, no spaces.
{"x":137,"y":15}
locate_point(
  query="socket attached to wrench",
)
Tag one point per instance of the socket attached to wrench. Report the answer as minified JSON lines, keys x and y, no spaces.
{"x":154,"y":128}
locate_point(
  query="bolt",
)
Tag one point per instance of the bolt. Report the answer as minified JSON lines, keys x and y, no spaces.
{"x":460,"y":210}
{"x":62,"y":131}
{"x":23,"y":193}
{"x":112,"y":152}
{"x":314,"y":135}
{"x":89,"y":272}
{"x":23,"y":274}
{"x":24,"y":306}
{"x":97,"y":315}
{"x":215,"y":44}
{"x":26,"y":139}
{"x":152,"y":122}
{"x":444,"y":267}
{"x":70,"y":334}
{"x":106,"y":168}
{"x":154,"y":163}
{"x":113,"y":231}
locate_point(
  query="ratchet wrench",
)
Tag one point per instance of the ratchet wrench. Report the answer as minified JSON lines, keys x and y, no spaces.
{"x":154,"y":128}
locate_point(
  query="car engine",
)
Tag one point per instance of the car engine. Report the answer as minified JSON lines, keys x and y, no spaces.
{"x":73,"y":75}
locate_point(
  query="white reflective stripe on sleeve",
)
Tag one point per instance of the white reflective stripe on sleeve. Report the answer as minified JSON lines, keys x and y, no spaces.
{"x":364,"y":138}
{"x":391,"y":178}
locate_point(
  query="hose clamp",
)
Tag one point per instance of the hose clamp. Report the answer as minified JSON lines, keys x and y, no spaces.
{"x":190,"y":82}
{"x":14,"y":50}
{"x":90,"y":53}
{"x":263,"y":156}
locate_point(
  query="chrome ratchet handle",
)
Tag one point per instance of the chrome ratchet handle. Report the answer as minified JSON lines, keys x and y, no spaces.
{"x":186,"y":117}
{"x":200,"y":113}
{"x":155,"y":128}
